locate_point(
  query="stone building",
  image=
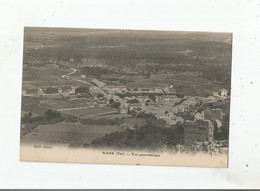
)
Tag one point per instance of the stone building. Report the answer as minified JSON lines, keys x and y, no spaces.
{"x":203,"y":126}
{"x":223,"y":92}
{"x":197,"y":131}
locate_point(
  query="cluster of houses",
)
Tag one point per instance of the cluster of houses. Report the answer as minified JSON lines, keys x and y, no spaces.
{"x":164,"y":104}
{"x":133,"y":90}
{"x":123,"y":89}
{"x":69,"y":90}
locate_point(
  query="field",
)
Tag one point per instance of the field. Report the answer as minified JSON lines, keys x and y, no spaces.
{"x":63,"y":103}
{"x":41,"y":104}
{"x":109,"y":116}
{"x":34,"y":105}
{"x":67,"y":133}
{"x":46,"y":75}
{"x":120,"y":79}
{"x":188,"y":84}
{"x":135,"y":121}
{"x":85,"y":113}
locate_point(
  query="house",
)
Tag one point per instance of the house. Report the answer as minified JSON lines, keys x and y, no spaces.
{"x":190,"y":101}
{"x":83,"y":76}
{"x":123,"y":109}
{"x":72,"y":90}
{"x":166,"y":99}
{"x":198,"y":116}
{"x":134,"y":106}
{"x":211,"y":99}
{"x":94,"y":90}
{"x":158,"y":89}
{"x":223,"y":92}
{"x":24,"y":92}
{"x":40,"y":91}
{"x":166,"y":90}
{"x":60,"y":90}
{"x":179,"y":119}
{"x":99,"y":84}
{"x":171,"y":89}
{"x":182,"y":108}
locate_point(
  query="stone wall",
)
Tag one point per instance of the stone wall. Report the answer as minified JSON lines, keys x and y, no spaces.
{"x":196,"y":131}
{"x":212,"y":114}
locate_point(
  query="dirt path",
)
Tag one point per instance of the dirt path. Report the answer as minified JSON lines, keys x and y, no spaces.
{"x":98,"y":114}
{"x":73,"y":108}
{"x":67,"y":75}
{"x":56,"y":66}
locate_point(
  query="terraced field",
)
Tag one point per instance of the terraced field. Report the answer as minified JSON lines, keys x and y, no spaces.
{"x":67,"y":133}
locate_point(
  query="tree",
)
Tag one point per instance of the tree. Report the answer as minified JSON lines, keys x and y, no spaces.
{"x":27,"y":117}
{"x":50,"y":114}
{"x":116,"y":104}
{"x":100,"y":95}
{"x":133,"y":101}
{"x":180,"y":95}
{"x":152,"y":97}
{"x":82,"y":90}
{"x":51,"y":90}
{"x":111,"y":101}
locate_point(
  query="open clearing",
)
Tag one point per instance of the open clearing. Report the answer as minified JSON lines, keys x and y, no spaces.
{"x":109,"y":116}
{"x":186,"y":83}
{"x":48,"y":75}
{"x":62,"y":103}
{"x":67,"y":133}
{"x":89,"y":111}
{"x":34,"y":105}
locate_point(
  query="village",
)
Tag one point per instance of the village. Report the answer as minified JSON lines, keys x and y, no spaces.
{"x":162,"y":102}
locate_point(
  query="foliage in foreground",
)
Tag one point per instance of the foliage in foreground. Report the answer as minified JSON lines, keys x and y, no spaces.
{"x":144,"y":137}
{"x":152,"y":135}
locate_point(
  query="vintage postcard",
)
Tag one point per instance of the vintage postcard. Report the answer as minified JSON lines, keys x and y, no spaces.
{"x":126,"y":97}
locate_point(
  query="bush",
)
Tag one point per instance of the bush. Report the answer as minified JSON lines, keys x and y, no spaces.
{"x":153,"y":135}
{"x":133,"y":101}
{"x":82,"y":90}
{"x":50,"y":90}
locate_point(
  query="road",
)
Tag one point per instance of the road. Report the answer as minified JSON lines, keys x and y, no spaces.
{"x":75,"y":108}
{"x":67,"y":75}
{"x":56,"y":66}
{"x":75,"y":70}
{"x":110,"y":112}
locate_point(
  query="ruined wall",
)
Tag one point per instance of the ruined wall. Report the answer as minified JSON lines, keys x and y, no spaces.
{"x":196,"y":131}
{"x":212,"y":114}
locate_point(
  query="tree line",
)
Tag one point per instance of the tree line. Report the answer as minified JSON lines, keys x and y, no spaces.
{"x":50,"y":116}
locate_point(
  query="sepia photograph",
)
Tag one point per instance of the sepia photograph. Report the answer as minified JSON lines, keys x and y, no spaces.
{"x":138,"y":97}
